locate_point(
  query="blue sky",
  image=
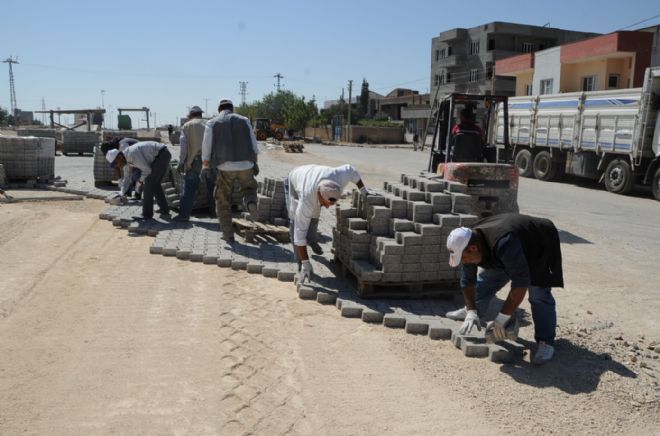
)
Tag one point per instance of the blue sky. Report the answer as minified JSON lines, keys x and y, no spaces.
{"x":171,"y":55}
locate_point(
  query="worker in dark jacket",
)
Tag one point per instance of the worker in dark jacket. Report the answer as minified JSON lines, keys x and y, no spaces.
{"x":509,"y":247}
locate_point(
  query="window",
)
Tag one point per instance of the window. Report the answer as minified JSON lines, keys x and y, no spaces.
{"x":546,"y":86}
{"x":449,"y":50}
{"x":528,"y":89}
{"x":443,"y":53}
{"x":448,"y":77}
{"x":437,"y":79}
{"x":474,"y":75}
{"x":489,"y":70}
{"x":613,"y":81}
{"x":437,"y":55}
{"x":589,"y":83}
{"x":474,"y":47}
{"x":527,"y":47}
{"x":491,"y":44}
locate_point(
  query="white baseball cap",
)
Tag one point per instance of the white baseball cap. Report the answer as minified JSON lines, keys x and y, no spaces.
{"x":111,"y":155}
{"x":457,"y":240}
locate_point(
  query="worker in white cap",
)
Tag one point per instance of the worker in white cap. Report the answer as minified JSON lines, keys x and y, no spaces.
{"x":509,"y":247}
{"x":190,"y":164}
{"x":307,"y":189}
{"x":230,"y":146}
{"x":152,"y":159}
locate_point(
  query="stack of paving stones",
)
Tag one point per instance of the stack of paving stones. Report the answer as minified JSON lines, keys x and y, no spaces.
{"x":173,"y":182}
{"x":40,"y":133}
{"x":27,"y":157}
{"x":103,"y":173}
{"x":399,"y":236}
{"x":3,"y":175}
{"x":271,"y":202}
{"x":79,"y":142}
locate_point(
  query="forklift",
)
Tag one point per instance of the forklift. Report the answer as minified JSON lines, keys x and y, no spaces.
{"x":477,"y":162}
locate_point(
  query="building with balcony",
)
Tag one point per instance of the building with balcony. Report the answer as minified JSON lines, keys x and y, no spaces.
{"x":613,"y":61}
{"x":463,"y":60}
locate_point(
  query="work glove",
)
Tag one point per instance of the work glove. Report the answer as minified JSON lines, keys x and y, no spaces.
{"x":180,"y":168}
{"x":306,"y":271}
{"x":502,"y":328}
{"x":255,"y":170}
{"x":364,"y":190}
{"x":205,"y":174}
{"x":471,"y":320}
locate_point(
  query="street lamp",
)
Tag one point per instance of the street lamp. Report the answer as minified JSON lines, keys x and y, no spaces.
{"x":103,"y":98}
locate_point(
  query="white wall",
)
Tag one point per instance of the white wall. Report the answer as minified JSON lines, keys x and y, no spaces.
{"x":547,"y":65}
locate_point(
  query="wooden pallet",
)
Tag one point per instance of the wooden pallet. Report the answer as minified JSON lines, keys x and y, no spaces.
{"x":418,"y":289}
{"x":293,"y":147}
{"x":253,"y":229}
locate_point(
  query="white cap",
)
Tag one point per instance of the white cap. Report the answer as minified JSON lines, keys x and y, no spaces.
{"x":457,"y":240}
{"x":329,"y":189}
{"x":111,"y":155}
{"x":225,"y":101}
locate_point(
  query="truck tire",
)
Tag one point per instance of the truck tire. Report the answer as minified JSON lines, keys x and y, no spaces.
{"x":619,"y":177}
{"x":655,"y":184}
{"x":525,"y":163}
{"x":261,"y":136}
{"x":544,"y":168}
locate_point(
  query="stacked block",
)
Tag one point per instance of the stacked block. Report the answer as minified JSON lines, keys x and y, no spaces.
{"x":40,"y":133}
{"x":27,"y":157}
{"x":79,"y":142}
{"x":400,"y":236}
{"x":112,"y":134}
{"x":173,"y":182}
{"x":271,"y":202}
{"x":103,"y":173}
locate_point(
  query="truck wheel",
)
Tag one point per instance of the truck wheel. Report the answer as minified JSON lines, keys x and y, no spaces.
{"x":524,"y":161}
{"x":655,"y":184}
{"x":619,"y":177}
{"x":279,"y":136}
{"x":261,"y":136}
{"x":544,"y":168}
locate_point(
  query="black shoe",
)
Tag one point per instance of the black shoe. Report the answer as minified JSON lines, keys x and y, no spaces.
{"x":141,"y":218}
{"x":229,"y":239}
{"x":165,"y":216}
{"x":181,"y":219}
{"x":316,"y":248}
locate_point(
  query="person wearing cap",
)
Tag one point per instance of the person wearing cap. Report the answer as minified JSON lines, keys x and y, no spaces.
{"x":229,"y":145}
{"x":152,"y":159}
{"x":190,"y":163}
{"x":509,"y":247}
{"x":128,"y":177}
{"x":307,"y":189}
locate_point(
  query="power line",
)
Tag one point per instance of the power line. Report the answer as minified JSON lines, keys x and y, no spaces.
{"x":640,"y":22}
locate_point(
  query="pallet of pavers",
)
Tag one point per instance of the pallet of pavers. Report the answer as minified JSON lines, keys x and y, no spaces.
{"x":79,"y":142}
{"x":104,"y":174}
{"x":173,"y":182}
{"x":271,"y":202}
{"x":293,"y":147}
{"x":113,"y":134}
{"x":28,"y":157}
{"x":394,"y":243}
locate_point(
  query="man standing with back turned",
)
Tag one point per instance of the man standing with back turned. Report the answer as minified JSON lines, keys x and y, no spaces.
{"x":190,"y":163}
{"x":230,"y":146}
{"x":509,"y":247}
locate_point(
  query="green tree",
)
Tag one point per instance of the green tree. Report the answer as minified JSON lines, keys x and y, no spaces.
{"x":364,"y":99}
{"x":298,"y":114}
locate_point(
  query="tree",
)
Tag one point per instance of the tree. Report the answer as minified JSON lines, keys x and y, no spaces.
{"x":298,"y":113}
{"x":364,"y":99}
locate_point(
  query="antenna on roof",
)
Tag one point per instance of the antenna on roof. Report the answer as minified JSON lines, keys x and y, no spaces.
{"x":546,"y":24}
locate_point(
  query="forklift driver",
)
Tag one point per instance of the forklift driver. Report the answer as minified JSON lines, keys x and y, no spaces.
{"x":467,"y":139}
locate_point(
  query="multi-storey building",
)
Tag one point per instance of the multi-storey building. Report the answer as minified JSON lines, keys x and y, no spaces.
{"x":463,"y":60}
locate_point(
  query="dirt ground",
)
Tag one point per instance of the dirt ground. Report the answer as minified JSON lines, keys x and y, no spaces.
{"x":99,"y":337}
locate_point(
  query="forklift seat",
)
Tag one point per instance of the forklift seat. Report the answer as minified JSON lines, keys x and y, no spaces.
{"x":467,"y":147}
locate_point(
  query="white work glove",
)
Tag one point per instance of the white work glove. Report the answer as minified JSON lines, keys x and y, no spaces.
{"x":471,"y":320}
{"x":497,"y":327}
{"x":306,"y":271}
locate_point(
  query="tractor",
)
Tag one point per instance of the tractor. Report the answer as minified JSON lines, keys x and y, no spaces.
{"x":264,"y":129}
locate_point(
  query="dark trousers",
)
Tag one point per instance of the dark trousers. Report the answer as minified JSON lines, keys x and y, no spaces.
{"x":152,"y":187}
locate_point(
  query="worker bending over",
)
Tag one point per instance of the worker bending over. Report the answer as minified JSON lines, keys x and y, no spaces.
{"x":509,"y":247}
{"x":152,"y":159}
{"x":307,"y":189}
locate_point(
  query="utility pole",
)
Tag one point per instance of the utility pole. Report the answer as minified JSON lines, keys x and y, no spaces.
{"x":278,"y":76}
{"x":103,"y":98}
{"x":350,"y":92}
{"x":206,"y":106}
{"x":243,"y":91}
{"x":12,"y":89}
{"x":43,"y":108}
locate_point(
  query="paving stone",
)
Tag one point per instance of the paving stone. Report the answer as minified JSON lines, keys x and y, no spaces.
{"x":417,"y":327}
{"x":394,"y":321}
{"x":255,"y":268}
{"x":239,"y":264}
{"x":326,"y":297}
{"x":182,"y":254}
{"x":307,"y":292}
{"x":224,"y":261}
{"x":439,"y":330}
{"x":285,"y":276}
{"x":210,"y":259}
{"x":372,"y":316}
{"x":499,"y":354}
{"x":270,"y":271}
{"x":351,"y":310}
{"x":196,"y":256}
{"x":474,"y":347}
